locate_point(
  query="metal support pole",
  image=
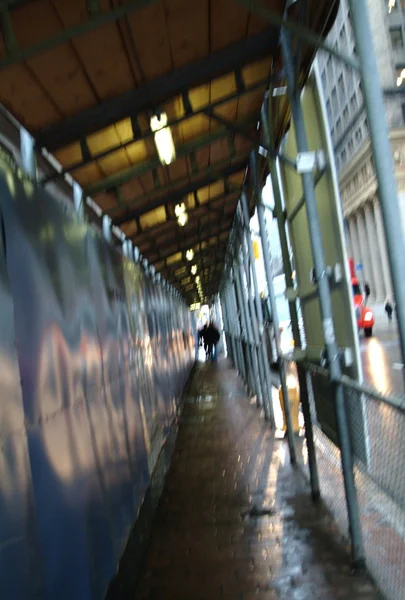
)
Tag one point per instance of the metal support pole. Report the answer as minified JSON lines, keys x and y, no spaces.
{"x":252,"y":375}
{"x":270,"y":289}
{"x":302,"y":376}
{"x":236,"y":328}
{"x":28,"y":153}
{"x":78,"y":200}
{"x":107,"y":231}
{"x":259,"y":311}
{"x":233,"y":328}
{"x":242,"y":350}
{"x":325,"y":301}
{"x":263,"y":387}
{"x":383,"y":160}
{"x":228,"y":335}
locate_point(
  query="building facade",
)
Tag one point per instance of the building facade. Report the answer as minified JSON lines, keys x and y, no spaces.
{"x":350,"y":134}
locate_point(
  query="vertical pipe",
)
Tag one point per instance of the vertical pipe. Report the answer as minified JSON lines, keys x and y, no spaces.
{"x":28,"y":153}
{"x":234,"y":329}
{"x":78,"y":200}
{"x":383,"y":160}
{"x":270,"y":290}
{"x":262,"y":348}
{"x":325,"y":305}
{"x":302,"y":377}
{"x":264,"y":389}
{"x":228,"y":335}
{"x":252,"y":373}
{"x":107,"y":232}
{"x":237,"y":311}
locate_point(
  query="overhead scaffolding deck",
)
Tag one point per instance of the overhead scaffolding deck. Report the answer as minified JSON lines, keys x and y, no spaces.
{"x":84,"y":78}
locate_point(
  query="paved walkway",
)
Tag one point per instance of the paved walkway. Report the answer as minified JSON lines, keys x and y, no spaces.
{"x":235,"y":521}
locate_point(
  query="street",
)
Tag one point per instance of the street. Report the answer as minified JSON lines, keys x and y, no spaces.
{"x":381,"y":356}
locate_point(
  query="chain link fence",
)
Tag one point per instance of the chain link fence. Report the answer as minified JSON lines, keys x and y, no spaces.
{"x":377,"y":427}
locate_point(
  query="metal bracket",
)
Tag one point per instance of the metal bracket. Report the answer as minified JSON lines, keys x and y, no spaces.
{"x":308,"y":162}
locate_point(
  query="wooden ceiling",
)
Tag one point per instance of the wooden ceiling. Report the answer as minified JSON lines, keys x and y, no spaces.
{"x":85,"y":76}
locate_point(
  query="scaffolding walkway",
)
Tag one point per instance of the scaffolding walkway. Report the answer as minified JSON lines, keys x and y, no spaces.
{"x":235,"y":520}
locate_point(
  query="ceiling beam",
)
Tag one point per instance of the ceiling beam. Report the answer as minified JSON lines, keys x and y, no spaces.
{"x":209,"y":231}
{"x":259,"y":85}
{"x":18,"y":55}
{"x":157,"y":91}
{"x":213,"y":265}
{"x":177,"y":195}
{"x":121,"y":177}
{"x":198,"y":256}
{"x":179,"y":235}
{"x":214,"y":204}
{"x":168,"y":188}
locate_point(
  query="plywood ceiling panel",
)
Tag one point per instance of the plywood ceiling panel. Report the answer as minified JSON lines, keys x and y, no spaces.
{"x":188,"y":29}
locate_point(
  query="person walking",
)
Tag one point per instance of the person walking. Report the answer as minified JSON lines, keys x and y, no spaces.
{"x":211,"y":339}
{"x":367,"y":292}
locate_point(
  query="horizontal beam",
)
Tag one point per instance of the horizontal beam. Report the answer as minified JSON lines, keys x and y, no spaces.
{"x":107,"y":16}
{"x":300,"y":31}
{"x":261,"y":84}
{"x":170,"y":274}
{"x":117,"y":179}
{"x":210,"y":232}
{"x":177,"y":195}
{"x":199,"y":211}
{"x":159,"y":90}
{"x":199,"y":253}
{"x":177,"y":234}
{"x":168,"y":187}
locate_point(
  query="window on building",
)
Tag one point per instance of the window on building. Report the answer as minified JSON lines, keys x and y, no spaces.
{"x":360,"y":95}
{"x":329,"y":64}
{"x":341,"y":87}
{"x":339,"y":127}
{"x":343,"y":37}
{"x":350,"y":146}
{"x":335,"y":105}
{"x":358,"y":136}
{"x":328,"y":108}
{"x":343,"y":156}
{"x":400,"y":71}
{"x":346,"y":115}
{"x":324,"y":79}
{"x":333,"y":133}
{"x":397,"y":40}
{"x":353,"y":103}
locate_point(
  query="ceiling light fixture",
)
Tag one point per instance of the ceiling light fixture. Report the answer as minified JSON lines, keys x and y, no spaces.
{"x":163,"y":138}
{"x":181,"y":213}
{"x":193,"y":269}
{"x":190,"y":254}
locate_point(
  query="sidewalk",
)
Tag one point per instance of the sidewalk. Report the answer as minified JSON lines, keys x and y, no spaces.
{"x":235,"y":521}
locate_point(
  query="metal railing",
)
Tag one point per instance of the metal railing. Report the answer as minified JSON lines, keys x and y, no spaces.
{"x":379,"y":472}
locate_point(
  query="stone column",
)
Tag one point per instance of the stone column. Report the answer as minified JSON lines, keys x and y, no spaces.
{"x":382,"y":245}
{"x":376,"y":266}
{"x":354,"y":239}
{"x":364,"y":251}
{"x":348,"y":238}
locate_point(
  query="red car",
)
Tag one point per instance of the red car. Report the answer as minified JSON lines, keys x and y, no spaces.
{"x":364,"y":314}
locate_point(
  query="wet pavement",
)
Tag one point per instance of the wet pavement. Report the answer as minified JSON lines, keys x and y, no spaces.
{"x":381,"y":359}
{"x":235,"y":521}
